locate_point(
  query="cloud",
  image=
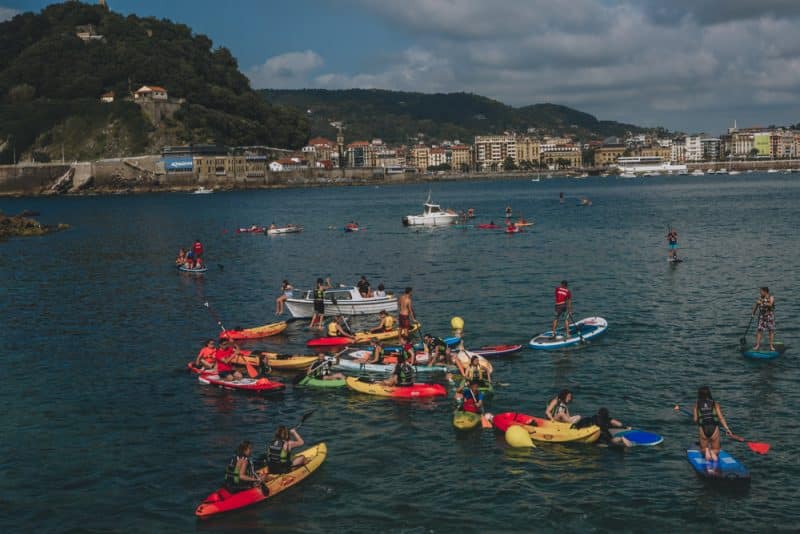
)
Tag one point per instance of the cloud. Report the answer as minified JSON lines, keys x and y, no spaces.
{"x":7,"y":13}
{"x":719,"y":11}
{"x":285,"y":70}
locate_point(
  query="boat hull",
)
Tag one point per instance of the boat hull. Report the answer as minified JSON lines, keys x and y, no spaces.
{"x":304,"y":308}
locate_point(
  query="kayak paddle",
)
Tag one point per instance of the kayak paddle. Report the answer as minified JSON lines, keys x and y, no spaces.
{"x":743,"y":339}
{"x":577,"y":326}
{"x":755,"y":446}
{"x":303,"y":419}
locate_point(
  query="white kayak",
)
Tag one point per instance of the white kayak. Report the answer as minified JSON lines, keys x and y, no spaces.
{"x":580,"y":332}
{"x":348,"y":364}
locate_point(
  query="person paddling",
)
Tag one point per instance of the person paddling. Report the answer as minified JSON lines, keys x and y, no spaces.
{"x":707,"y":414}
{"x":672,"y":244}
{"x":557,"y":409}
{"x":603,"y":420}
{"x":240,"y":474}
{"x":279,"y":452}
{"x":470,"y":398}
{"x":403,"y":374}
{"x":386,"y":324}
{"x":563,"y":307}
{"x":375,"y":355}
{"x":339,"y":328}
{"x":321,"y":369}
{"x":765,"y":306}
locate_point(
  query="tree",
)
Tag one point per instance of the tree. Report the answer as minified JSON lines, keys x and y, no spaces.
{"x":753,"y":152}
{"x":509,"y":165}
{"x":563,"y":163}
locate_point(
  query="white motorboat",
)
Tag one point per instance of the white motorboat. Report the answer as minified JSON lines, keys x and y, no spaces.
{"x":432,"y":215}
{"x":341,"y":301}
{"x":202,"y":191}
{"x":288,"y":229}
{"x":734,"y":173}
{"x":627,"y":175}
{"x":698,"y":172}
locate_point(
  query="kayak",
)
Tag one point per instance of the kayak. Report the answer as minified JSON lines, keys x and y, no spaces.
{"x":486,"y":226}
{"x":580,"y":332}
{"x":726,"y":469}
{"x":637,"y":437}
{"x":250,"y":230}
{"x":765,"y":354}
{"x":351,"y":228}
{"x":247,"y":384}
{"x":359,"y":337}
{"x":512,"y":230}
{"x":523,"y":223}
{"x":484,"y":387}
{"x":346,"y":364}
{"x":464,"y":357}
{"x":282,"y":362}
{"x":198,"y":270}
{"x":544,"y":430}
{"x":319,"y":383}
{"x":223,"y":500}
{"x":416,"y":391}
{"x":290,"y":229}
{"x":496,"y":350}
{"x":255,"y":333}
{"x":464,"y":420}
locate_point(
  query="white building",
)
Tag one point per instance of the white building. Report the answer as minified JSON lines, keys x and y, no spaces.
{"x":150,"y":92}
{"x":694,"y":148}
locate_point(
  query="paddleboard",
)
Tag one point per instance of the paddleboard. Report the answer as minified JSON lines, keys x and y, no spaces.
{"x":496,"y":350}
{"x":638,"y":437}
{"x":580,"y":332}
{"x":198,"y":270}
{"x":674,"y":260}
{"x":726,"y":469}
{"x":765,"y":353}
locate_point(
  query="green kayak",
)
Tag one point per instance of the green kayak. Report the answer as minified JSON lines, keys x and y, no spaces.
{"x":466,"y":420}
{"x":318,"y":383}
{"x":485,"y":387}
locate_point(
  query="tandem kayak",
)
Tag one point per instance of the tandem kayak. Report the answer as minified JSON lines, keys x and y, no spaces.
{"x":496,"y":350}
{"x":580,"y":332}
{"x":726,"y":469}
{"x":247,"y":384}
{"x":544,"y":430}
{"x":346,"y":364}
{"x":765,"y":354}
{"x":223,"y":500}
{"x":464,"y":420}
{"x":417,"y":391}
{"x":319,"y":383}
{"x":358,"y":338}
{"x":256,"y":332}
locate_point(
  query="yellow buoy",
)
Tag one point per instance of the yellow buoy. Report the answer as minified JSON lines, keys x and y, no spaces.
{"x":516,"y":436}
{"x":457,"y":323}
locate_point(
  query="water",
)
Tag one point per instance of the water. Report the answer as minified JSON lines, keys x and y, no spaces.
{"x":104,"y":428}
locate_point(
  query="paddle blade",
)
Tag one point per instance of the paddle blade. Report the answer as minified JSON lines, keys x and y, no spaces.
{"x":759,"y":448}
{"x":485,"y":422}
{"x":298,"y":378}
{"x":251,"y":371}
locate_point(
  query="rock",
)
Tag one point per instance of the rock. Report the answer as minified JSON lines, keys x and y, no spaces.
{"x":24,"y":226}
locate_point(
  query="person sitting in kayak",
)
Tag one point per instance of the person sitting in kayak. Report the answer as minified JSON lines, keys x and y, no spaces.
{"x":557,"y":409}
{"x":403,"y":374}
{"x":321,"y":369}
{"x":706,"y":414}
{"x":227,"y":356}
{"x":474,"y":371}
{"x":386,"y":324}
{"x":287,"y":292}
{"x":339,"y":328}
{"x":180,"y":259}
{"x":376,"y":353}
{"x":206,"y":359}
{"x":603,"y":420}
{"x":563,"y":306}
{"x":436,"y":350}
{"x":470,"y":399}
{"x":240,"y":474}
{"x":765,"y":306}
{"x":279,"y":453}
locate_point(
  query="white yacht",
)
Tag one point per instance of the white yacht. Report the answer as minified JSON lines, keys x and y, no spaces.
{"x":341,"y":301}
{"x":432,"y":215}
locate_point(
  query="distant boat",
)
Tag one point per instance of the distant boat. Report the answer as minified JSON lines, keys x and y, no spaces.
{"x":734,"y":173}
{"x":536,"y":179}
{"x":288,"y":229}
{"x":202,"y":191}
{"x":698,"y":172}
{"x":772,"y":171}
{"x":627,"y":175}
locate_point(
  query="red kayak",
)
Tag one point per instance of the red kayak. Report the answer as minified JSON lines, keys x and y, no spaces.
{"x":416,"y":391}
{"x":339,"y":341}
{"x":496,"y":350}
{"x":504,"y":420}
{"x":251,"y":230}
{"x":487,"y":226}
{"x":512,"y":230}
{"x":247,"y":384}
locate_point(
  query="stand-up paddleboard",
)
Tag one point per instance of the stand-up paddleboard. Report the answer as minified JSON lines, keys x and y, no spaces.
{"x":764,"y":353}
{"x":637,"y":437}
{"x":580,"y":332}
{"x":726,"y":469}
{"x":674,"y":260}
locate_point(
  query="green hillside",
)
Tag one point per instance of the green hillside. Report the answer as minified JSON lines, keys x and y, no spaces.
{"x":51,"y":80}
{"x":398,"y":117}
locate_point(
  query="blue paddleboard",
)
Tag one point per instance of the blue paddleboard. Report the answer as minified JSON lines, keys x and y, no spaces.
{"x":580,"y":332}
{"x":639,"y":437}
{"x":726,"y":469}
{"x":765,"y":354}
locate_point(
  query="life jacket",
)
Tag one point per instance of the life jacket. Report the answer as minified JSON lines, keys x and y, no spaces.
{"x":562,"y":294}
{"x":277,"y":456}
{"x":437,"y":344}
{"x":319,"y":294}
{"x":474,"y":373}
{"x":197,"y":248}
{"x":332,"y":330}
{"x":560,"y":407}
{"x":320,"y":369}
{"x":405,"y":375}
{"x":388,"y":323}
{"x":705,"y":414}
{"x":232,"y":474}
{"x":208,"y":355}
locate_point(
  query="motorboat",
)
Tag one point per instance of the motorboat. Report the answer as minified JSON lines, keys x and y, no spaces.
{"x":288,"y":229}
{"x":202,"y":191}
{"x":627,"y":175}
{"x":341,"y":301}
{"x":698,"y":172}
{"x":432,"y":215}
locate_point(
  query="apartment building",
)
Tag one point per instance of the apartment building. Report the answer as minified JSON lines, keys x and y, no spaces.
{"x":528,"y":150}
{"x":607,"y":155}
{"x":492,"y":150}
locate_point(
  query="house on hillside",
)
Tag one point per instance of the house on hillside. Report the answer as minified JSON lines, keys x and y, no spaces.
{"x":107,"y":98}
{"x":86,"y":33}
{"x":150,"y":92}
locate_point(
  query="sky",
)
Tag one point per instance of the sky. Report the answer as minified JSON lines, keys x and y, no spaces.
{"x":687,"y":65}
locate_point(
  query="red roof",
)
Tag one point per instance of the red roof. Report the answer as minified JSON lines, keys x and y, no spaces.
{"x":317,"y":141}
{"x":437,"y":151}
{"x":150,"y":89}
{"x":355,"y":144}
{"x":459,"y":147}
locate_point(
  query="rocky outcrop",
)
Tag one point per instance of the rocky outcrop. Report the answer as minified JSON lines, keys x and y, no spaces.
{"x":25,"y":226}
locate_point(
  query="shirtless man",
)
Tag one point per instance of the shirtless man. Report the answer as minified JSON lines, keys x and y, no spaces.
{"x":406,"y":312}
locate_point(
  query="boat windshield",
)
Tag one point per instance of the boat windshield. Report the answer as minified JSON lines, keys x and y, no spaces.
{"x":432,"y":209}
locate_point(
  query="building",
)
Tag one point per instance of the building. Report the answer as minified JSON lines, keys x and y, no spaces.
{"x":561,"y":157}
{"x":665,"y":153}
{"x":150,"y":92}
{"x":216,"y":167}
{"x":528,"y":151}
{"x":87,"y":33}
{"x":420,"y":157}
{"x":678,"y":151}
{"x":781,"y":144}
{"x":694,"y":148}
{"x":741,"y":144}
{"x":491,"y":151}
{"x":607,"y":155}
{"x":710,"y":147}
{"x":360,"y":154}
{"x":322,"y":149}
{"x":459,"y":157}
{"x":437,"y":157}
{"x":107,"y":98}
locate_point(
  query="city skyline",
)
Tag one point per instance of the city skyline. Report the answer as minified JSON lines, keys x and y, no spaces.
{"x":687,"y":67}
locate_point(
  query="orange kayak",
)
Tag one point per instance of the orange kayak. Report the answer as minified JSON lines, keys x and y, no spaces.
{"x":255,"y":333}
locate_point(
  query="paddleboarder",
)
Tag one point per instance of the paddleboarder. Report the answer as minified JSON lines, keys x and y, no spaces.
{"x":672,"y":244}
{"x":197,"y":253}
{"x":563,"y":306}
{"x":707,"y":414}
{"x":765,"y":306}
{"x":406,"y":310}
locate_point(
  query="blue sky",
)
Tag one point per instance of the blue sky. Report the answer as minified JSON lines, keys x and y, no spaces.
{"x":688,"y":65}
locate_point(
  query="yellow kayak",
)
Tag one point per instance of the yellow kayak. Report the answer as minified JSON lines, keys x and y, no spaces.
{"x":365,"y":337}
{"x":255,"y":333}
{"x":544,"y":430}
{"x":463,"y":420}
{"x":283,"y":362}
{"x":399,"y":392}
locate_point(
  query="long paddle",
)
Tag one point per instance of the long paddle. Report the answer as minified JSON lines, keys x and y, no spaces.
{"x":743,"y":339}
{"x":577,"y":327}
{"x":484,"y":421}
{"x":252,"y":372}
{"x":755,"y":446}
{"x":304,"y":419}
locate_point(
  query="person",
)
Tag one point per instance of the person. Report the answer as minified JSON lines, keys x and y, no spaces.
{"x":226,"y":355}
{"x":511,"y":226}
{"x":180,"y":259}
{"x":206,"y":359}
{"x":287,"y":291}
{"x":470,"y":212}
{"x":672,"y":244}
{"x":406,"y":314}
{"x":470,"y":399}
{"x":508,"y":212}
{"x":319,"y":302}
{"x":363,"y":286}
{"x":474,"y":370}
{"x":240,"y":474}
{"x":380,"y":292}
{"x":563,"y":307}
{"x":197,"y":253}
{"x":407,"y":349}
{"x":603,"y":420}
{"x":707,"y":414}
{"x":321,"y":369}
{"x":765,"y":306}
{"x":376,"y":354}
{"x":386,"y":324}
{"x":561,"y":197}
{"x":436,"y":350}
{"x":279,"y":452}
{"x":557,"y":409}
{"x":273,"y":226}
{"x":403,"y":373}
{"x":337,"y":327}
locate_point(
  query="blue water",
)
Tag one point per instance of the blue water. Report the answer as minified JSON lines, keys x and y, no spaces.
{"x":105,"y":430}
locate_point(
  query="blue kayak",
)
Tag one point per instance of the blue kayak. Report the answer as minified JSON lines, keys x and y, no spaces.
{"x":726,"y":469}
{"x":765,"y":354}
{"x":451,"y":342}
{"x":580,"y":332}
{"x":638,"y":437}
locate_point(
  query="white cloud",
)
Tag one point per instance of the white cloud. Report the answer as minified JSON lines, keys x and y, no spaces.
{"x":285,"y":70}
{"x":7,"y":13}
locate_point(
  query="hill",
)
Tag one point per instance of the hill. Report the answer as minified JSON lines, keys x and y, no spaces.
{"x":398,"y":117}
{"x":51,"y":81}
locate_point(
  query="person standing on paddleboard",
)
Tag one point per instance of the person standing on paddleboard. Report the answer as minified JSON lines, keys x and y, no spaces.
{"x":563,"y":306}
{"x":765,"y":306}
{"x":406,"y":310}
{"x":707,"y":414}
{"x":672,"y":244}
{"x":197,"y":253}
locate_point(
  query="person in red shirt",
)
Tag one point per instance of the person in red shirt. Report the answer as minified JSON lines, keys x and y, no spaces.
{"x":563,"y":307}
{"x":225,"y":355}
{"x":197,"y":252}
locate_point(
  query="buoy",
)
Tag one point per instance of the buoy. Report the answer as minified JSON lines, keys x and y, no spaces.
{"x":516,"y":436}
{"x":457,"y":323}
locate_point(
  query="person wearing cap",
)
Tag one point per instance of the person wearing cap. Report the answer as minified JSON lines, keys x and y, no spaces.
{"x":470,"y":398}
{"x":563,"y":308}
